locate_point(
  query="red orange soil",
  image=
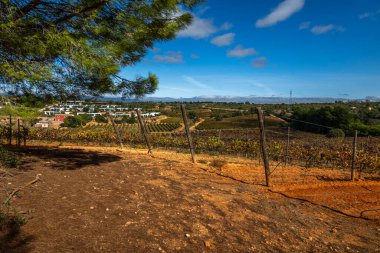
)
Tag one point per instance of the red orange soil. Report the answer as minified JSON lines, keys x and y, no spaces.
{"x":325,"y":187}
{"x":110,"y":201}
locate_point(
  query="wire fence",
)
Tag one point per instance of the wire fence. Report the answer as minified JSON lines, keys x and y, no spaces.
{"x":285,"y":147}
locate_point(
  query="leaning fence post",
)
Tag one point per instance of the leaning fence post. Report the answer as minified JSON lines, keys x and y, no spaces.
{"x":188,"y":132}
{"x":10,"y":130}
{"x":287,"y":147}
{"x":263,"y":145}
{"x":117,"y":132}
{"x":354,"y":146}
{"x":144,"y":132}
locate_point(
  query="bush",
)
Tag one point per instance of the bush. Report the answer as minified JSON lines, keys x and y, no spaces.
{"x":131,"y":120}
{"x":334,"y":133}
{"x":101,"y":119}
{"x":10,"y":225}
{"x":76,"y":121}
{"x":7,"y":158}
{"x":11,"y":220}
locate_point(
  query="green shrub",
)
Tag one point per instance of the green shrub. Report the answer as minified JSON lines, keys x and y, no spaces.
{"x":101,"y":119}
{"x":334,"y":133}
{"x":13,"y":220}
{"x":7,"y":158}
{"x":10,"y":225}
{"x":76,"y":121}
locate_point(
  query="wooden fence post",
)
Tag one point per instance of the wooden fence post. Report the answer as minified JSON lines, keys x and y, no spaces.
{"x":144,"y":132}
{"x":25,"y":133}
{"x":354,"y":146}
{"x":117,"y":132}
{"x":287,"y":147}
{"x":263,"y":145}
{"x":10,"y":130}
{"x":184,"y":116}
{"x":18,"y":133}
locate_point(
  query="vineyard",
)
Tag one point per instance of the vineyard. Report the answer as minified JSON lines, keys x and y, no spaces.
{"x":303,"y":149}
{"x":151,"y":128}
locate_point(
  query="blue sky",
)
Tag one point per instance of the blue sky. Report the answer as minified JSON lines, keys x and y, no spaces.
{"x":317,"y":48}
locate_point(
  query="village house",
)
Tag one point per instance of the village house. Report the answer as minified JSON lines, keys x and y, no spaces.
{"x":43,"y":124}
{"x":61,"y":117}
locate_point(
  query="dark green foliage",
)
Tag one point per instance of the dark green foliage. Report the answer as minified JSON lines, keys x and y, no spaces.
{"x":7,"y":158}
{"x":71,"y":121}
{"x":193,"y":116}
{"x":101,"y":119}
{"x":338,"y":117}
{"x":131,"y":120}
{"x":29,"y":100}
{"x":218,"y":117}
{"x":71,"y":48}
{"x":76,"y":121}
{"x":363,"y":129}
{"x":333,"y":133}
{"x":10,"y":225}
{"x":9,"y":220}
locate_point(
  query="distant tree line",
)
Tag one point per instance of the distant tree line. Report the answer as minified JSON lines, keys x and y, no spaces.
{"x":329,"y":119}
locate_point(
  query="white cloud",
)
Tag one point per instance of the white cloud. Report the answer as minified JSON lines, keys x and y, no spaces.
{"x":282,"y":12}
{"x":323,"y":29}
{"x":369,"y":14}
{"x":241,"y":52}
{"x":226,"y":26}
{"x":169,"y":57}
{"x":304,"y":25}
{"x":223,"y":40}
{"x":196,"y":83}
{"x":260,"y":62}
{"x":199,"y":29}
{"x":202,"y":10}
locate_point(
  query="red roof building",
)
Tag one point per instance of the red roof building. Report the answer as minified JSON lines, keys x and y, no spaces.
{"x":61,"y":117}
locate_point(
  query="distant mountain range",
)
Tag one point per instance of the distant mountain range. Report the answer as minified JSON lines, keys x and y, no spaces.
{"x":250,"y":99}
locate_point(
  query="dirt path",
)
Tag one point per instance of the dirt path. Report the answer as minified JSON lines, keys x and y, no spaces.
{"x":193,"y":127}
{"x":128,"y":202}
{"x":161,"y":118}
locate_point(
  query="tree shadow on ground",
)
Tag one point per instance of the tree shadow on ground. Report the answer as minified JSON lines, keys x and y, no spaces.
{"x":63,"y":159}
{"x":371,"y":177}
{"x":13,"y":240}
{"x":333,"y":179}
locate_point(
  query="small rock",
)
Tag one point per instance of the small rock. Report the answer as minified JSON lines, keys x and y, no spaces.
{"x":187,"y":235}
{"x":91,"y":207}
{"x":310,"y":238}
{"x":334,"y":230}
{"x":209,"y":244}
